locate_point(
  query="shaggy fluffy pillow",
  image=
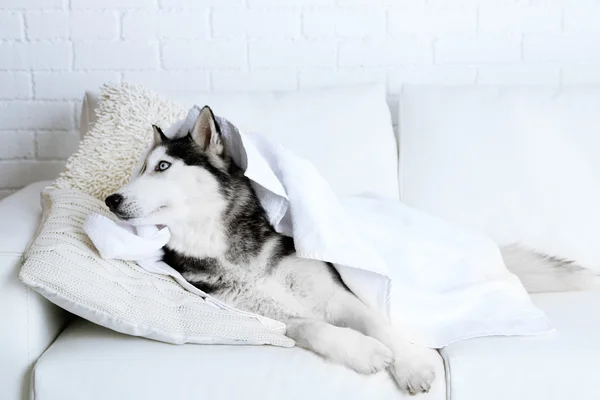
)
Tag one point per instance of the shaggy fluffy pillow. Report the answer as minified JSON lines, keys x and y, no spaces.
{"x":110,"y":150}
{"x":63,"y":265}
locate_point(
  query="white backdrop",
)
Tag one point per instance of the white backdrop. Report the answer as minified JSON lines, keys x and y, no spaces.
{"x":52,"y":50}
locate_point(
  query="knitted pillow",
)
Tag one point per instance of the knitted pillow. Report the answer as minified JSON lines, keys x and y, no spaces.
{"x":63,"y":265}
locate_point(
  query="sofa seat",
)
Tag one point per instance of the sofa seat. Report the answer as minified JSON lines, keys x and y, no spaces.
{"x":561,"y":365}
{"x":91,"y":362}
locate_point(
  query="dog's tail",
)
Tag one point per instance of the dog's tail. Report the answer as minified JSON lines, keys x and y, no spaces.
{"x":543,"y":273}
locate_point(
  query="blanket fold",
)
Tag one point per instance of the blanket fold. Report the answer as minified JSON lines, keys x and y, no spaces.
{"x":438,"y":282}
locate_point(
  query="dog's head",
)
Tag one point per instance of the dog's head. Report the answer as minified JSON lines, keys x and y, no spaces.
{"x":179,"y":176}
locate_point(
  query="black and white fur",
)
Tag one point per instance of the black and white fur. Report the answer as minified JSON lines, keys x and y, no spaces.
{"x":222,"y":242}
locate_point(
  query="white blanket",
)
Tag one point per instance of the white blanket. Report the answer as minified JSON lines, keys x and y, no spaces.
{"x":437,"y":282}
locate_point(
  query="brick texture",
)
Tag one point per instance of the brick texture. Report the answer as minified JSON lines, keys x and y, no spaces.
{"x":322,"y":77}
{"x":277,"y":53}
{"x":204,"y":54}
{"x":17,"y":173}
{"x":116,"y":55}
{"x":51,"y":51}
{"x":35,"y":55}
{"x":520,"y":19}
{"x":582,"y":19}
{"x":94,"y":25}
{"x":144,"y":25}
{"x":165,"y":81}
{"x":56,"y":144}
{"x":567,"y":47}
{"x":355,"y":23}
{"x":70,"y":85}
{"x":32,"y":4}
{"x":432,"y":20}
{"x":11,"y":25}
{"x":532,"y":74}
{"x":17,"y":145}
{"x":35,"y":115}
{"x":485,"y":49}
{"x":111,"y":3}
{"x":581,"y":73}
{"x":391,"y":52}
{"x":15,"y":85}
{"x":47,"y":25}
{"x":231,"y":81}
{"x":255,"y":24}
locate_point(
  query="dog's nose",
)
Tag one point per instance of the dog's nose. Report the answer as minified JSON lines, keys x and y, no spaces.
{"x":113,"y":201}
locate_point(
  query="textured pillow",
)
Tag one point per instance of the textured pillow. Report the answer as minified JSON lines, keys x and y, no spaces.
{"x":108,"y":153}
{"x":63,"y":265}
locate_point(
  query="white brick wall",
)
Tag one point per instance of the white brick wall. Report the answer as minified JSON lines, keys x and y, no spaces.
{"x":228,"y":23}
{"x":345,"y":23}
{"x":11,"y":25}
{"x":94,"y":25}
{"x":51,"y":51}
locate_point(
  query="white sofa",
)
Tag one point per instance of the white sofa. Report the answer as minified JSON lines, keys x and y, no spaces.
{"x":46,"y":354}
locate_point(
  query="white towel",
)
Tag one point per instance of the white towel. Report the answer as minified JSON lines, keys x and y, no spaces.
{"x":440,"y":281}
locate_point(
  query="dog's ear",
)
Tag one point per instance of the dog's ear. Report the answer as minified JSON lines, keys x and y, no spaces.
{"x":159,"y":136}
{"x":205,"y":132}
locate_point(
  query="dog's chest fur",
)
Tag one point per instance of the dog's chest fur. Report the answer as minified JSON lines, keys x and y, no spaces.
{"x":272,"y":283}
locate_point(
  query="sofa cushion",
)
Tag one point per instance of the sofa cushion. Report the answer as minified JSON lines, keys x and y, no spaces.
{"x":29,"y":322}
{"x":563,"y":365}
{"x":90,"y":362}
{"x":20,"y":214}
{"x":517,"y":163}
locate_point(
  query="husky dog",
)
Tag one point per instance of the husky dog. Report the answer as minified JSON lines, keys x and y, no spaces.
{"x":222,"y":243}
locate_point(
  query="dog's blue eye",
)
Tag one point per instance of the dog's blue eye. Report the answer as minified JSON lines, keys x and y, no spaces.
{"x":161,"y":166}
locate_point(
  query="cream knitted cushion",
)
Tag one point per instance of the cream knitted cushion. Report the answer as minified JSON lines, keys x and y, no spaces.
{"x":63,"y":265}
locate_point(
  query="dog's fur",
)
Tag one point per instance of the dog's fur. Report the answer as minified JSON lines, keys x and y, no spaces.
{"x":222,"y":242}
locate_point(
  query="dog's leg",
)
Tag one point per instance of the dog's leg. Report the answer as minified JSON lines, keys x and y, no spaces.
{"x":342,"y":345}
{"x":413,"y":365}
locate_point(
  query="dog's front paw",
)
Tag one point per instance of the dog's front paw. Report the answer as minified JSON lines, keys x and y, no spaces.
{"x":414,"y":372}
{"x":369,"y":356}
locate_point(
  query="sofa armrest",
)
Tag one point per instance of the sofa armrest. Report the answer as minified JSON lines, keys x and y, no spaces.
{"x":30,"y":323}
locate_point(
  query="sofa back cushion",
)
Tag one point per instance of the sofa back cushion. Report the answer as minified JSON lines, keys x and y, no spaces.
{"x":345,"y":131}
{"x":517,"y":163}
